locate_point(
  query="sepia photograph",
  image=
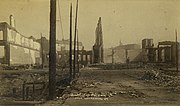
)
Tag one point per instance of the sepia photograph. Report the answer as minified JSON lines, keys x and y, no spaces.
{"x":89,"y":52}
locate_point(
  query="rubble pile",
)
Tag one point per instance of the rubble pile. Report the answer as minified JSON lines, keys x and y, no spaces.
{"x":83,"y":89}
{"x":161,"y":79}
{"x":132,"y":93}
{"x":117,"y":66}
{"x":105,"y":95}
{"x":11,"y":85}
{"x":8,"y":82}
{"x":76,"y":91}
{"x":84,"y":95}
{"x":150,"y":75}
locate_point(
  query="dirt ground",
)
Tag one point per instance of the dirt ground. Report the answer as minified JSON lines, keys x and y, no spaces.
{"x":97,"y":87}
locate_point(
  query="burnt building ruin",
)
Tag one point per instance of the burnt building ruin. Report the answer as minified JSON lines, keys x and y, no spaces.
{"x":15,"y":48}
{"x":149,"y":50}
{"x":165,"y":52}
{"x":98,"y":46}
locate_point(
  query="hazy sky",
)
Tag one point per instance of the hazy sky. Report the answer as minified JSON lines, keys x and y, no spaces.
{"x":127,"y":20}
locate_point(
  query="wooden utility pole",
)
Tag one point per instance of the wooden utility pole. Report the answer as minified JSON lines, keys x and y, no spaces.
{"x":52,"y":51}
{"x":70,"y":46}
{"x":177,"y":52}
{"x":42,"y":52}
{"x":126,"y":53}
{"x":77,"y":52}
{"x":113,"y":55}
{"x":75,"y":27}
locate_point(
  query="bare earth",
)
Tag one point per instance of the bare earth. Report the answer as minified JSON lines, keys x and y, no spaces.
{"x":96,"y":87}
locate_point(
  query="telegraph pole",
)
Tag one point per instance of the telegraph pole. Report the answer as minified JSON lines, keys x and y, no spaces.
{"x":42,"y":52}
{"x":74,"y":68}
{"x":126,"y":53}
{"x":52,"y":50}
{"x":113,"y":55}
{"x":77,"y":52}
{"x":177,"y":53}
{"x":70,"y":46}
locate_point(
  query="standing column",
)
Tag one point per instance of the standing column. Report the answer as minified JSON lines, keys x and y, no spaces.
{"x":7,"y":53}
{"x":86,"y":59}
{"x":81,"y":58}
{"x":159,"y":54}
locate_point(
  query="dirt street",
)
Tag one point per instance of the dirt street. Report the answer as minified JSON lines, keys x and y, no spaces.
{"x":116,"y":88}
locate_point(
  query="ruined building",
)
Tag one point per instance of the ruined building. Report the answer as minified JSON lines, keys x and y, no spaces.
{"x":165,"y":52}
{"x":122,"y":52}
{"x":15,"y":48}
{"x":98,"y":46}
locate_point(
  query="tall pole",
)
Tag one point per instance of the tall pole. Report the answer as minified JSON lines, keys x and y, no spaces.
{"x":74,"y":64}
{"x":112,"y":55}
{"x":126,"y":53}
{"x":52,"y":50}
{"x":177,"y":53}
{"x":70,"y":46}
{"x":42,"y":52}
{"x":77,"y":52}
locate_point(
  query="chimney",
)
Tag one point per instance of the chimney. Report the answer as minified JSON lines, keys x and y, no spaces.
{"x":12,"y":21}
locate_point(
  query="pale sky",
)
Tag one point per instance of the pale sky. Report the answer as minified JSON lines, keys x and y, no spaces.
{"x":127,"y":20}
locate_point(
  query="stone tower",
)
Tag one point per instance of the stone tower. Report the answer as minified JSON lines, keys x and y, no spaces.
{"x":98,"y":46}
